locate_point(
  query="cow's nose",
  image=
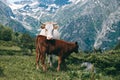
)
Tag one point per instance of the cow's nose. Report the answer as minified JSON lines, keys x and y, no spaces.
{"x":49,"y":38}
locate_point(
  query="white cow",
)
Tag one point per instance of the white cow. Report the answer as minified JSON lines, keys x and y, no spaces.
{"x":50,"y":30}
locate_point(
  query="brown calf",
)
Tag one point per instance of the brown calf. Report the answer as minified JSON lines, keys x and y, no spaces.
{"x":57,"y":47}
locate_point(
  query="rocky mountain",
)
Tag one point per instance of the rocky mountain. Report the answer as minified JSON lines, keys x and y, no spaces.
{"x":31,"y":12}
{"x":6,"y":18}
{"x":93,"y":23}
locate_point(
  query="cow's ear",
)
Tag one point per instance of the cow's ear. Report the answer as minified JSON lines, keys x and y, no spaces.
{"x":76,"y":43}
{"x":43,"y":26}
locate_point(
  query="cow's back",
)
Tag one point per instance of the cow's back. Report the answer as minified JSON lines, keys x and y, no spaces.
{"x":56,"y":46}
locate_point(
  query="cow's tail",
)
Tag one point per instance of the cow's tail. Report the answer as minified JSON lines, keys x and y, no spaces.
{"x":37,"y":52}
{"x":38,"y":47}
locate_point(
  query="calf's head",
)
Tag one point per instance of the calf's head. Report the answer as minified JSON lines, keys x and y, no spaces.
{"x":76,"y":47}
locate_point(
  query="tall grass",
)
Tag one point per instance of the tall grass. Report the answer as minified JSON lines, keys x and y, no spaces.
{"x":23,"y":68}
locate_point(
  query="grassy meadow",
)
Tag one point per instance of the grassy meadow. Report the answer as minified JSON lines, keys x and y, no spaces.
{"x":17,"y":61}
{"x":22,"y":67}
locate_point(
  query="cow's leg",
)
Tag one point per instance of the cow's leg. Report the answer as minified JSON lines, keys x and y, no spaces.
{"x":43,"y":62}
{"x":50,"y":59}
{"x":59,"y":63}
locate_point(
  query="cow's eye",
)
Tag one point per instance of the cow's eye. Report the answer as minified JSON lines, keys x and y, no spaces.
{"x":46,"y":30}
{"x":52,"y":30}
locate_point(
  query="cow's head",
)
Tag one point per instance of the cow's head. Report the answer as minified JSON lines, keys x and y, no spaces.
{"x":76,"y":47}
{"x":49,"y":28}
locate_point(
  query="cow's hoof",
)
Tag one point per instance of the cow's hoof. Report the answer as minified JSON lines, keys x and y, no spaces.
{"x":50,"y":64}
{"x":58,"y":69}
{"x":44,"y":69}
{"x":37,"y":67}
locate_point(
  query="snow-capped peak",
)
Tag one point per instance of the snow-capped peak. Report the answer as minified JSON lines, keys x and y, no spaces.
{"x":15,"y":6}
{"x":76,"y":1}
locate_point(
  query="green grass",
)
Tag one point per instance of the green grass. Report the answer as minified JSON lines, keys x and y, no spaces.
{"x":15,"y":48}
{"x":18,"y":64}
{"x":5,"y":50}
{"x":23,"y":68}
{"x":9,"y":45}
{"x":15,"y":65}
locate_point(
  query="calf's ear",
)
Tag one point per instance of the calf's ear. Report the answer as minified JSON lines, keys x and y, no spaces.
{"x":76,"y":43}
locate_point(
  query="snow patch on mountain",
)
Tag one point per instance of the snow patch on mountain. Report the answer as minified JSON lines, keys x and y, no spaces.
{"x":107,"y":28}
{"x":14,"y":6}
{"x":90,"y":22}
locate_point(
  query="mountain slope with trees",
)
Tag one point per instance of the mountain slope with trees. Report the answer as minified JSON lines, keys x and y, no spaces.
{"x":7,"y":18}
{"x":11,"y":41}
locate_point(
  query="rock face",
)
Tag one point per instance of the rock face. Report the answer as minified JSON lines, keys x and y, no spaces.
{"x":93,"y":23}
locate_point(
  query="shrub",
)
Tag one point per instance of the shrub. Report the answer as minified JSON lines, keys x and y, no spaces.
{"x":6,"y":34}
{"x":106,"y":63}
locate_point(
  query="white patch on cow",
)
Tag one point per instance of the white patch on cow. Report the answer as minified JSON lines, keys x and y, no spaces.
{"x":43,"y":32}
{"x":49,"y":28}
{"x":56,"y":34}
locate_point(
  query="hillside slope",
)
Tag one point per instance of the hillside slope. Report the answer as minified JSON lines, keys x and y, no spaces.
{"x":93,"y":23}
{"x":7,"y":18}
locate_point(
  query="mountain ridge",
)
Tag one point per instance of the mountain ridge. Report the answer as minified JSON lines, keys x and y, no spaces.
{"x":6,"y":18}
{"x":93,"y":23}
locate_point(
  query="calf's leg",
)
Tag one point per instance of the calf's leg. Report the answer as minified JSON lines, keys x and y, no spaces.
{"x":50,"y":59}
{"x":59,"y":63}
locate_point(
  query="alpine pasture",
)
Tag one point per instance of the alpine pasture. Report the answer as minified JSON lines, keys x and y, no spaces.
{"x":18,"y":57}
